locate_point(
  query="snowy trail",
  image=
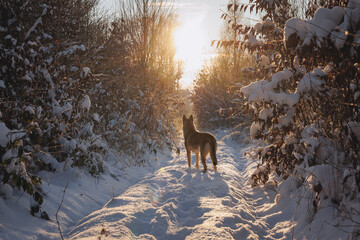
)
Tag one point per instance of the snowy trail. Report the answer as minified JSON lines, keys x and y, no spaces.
{"x":176,"y":202}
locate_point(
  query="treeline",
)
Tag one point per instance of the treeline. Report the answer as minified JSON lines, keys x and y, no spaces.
{"x":215,"y":99}
{"x":78,"y":86}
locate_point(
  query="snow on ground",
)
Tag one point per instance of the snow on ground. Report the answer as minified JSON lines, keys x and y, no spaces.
{"x":176,"y":202}
{"x":167,"y":200}
{"x":83,"y":195}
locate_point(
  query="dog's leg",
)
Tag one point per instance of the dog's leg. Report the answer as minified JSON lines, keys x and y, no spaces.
{"x":203,"y":161}
{"x":214,"y":161}
{"x":188,"y":153}
{"x":197,"y":160}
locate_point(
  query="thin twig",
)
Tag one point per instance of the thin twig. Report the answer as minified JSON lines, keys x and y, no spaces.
{"x":90,"y":198}
{"x":339,"y":227}
{"x":111,"y":192}
{"x":56,"y":214}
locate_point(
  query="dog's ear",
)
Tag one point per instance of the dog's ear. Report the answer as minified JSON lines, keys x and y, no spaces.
{"x":191,"y":118}
{"x":184,"y":118}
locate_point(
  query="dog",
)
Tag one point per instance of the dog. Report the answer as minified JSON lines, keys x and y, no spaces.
{"x":198,"y":142}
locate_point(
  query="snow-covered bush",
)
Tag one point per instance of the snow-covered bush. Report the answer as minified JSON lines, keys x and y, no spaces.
{"x":41,"y":80}
{"x":305,"y":97}
{"x":137,"y":96}
{"x":59,"y":103}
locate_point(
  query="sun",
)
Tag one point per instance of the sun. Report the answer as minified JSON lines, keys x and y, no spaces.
{"x":190,"y":42}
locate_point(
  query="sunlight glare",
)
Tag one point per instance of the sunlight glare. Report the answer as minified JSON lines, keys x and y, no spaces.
{"x":190,"y":43}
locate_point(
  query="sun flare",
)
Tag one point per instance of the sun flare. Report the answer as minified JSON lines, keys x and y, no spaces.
{"x":190,"y":42}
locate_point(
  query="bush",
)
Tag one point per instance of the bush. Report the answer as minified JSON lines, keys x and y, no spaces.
{"x":215,"y":95}
{"x":59,"y":103}
{"x":305,"y":105}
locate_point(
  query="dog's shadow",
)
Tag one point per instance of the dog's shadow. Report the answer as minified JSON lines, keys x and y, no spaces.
{"x":209,"y":183}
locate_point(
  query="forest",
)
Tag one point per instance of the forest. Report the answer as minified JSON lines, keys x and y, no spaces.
{"x":89,"y":97}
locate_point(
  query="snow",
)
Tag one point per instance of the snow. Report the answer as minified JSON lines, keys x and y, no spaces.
{"x":7,"y":135}
{"x":255,"y":128}
{"x":13,"y":40}
{"x":296,"y":26}
{"x":271,"y":92}
{"x":311,"y":82}
{"x":351,"y":16}
{"x":252,"y":41}
{"x":30,"y":110}
{"x":355,"y":128}
{"x":4,"y":131}
{"x":71,"y":50}
{"x":353,"y":4}
{"x":37,"y":22}
{"x":356,"y":95}
{"x":84,"y":194}
{"x":48,"y":36}
{"x":2,"y":84}
{"x":324,"y":21}
{"x":27,"y":77}
{"x":6,"y":189}
{"x":85,"y":72}
{"x":86,"y":103}
{"x":329,"y":179}
{"x":267,"y":24}
{"x":175,"y":202}
{"x":47,"y":76}
{"x":265,"y":113}
{"x":264,"y":62}
{"x":167,"y":200}
{"x":265,"y":90}
{"x":280,"y":76}
{"x":74,"y":69}
{"x":96,"y":117}
{"x":287,"y":119}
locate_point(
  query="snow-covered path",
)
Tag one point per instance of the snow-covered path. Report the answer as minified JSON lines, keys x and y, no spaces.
{"x":176,"y":202}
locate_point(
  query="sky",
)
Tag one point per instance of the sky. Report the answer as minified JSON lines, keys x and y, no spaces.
{"x":209,"y":10}
{"x":200,"y":23}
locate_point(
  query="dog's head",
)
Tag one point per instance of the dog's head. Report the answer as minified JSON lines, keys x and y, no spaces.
{"x":188,"y":123}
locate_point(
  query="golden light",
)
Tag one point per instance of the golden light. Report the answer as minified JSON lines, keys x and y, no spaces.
{"x":190,"y":42}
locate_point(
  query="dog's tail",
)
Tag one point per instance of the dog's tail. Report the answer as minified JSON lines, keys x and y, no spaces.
{"x":213,"y":147}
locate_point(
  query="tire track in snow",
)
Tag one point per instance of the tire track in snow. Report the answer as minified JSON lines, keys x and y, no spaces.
{"x":176,"y":202}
